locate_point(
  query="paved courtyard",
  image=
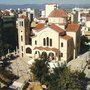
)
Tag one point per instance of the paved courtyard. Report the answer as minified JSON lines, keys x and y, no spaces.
{"x":20,"y":68}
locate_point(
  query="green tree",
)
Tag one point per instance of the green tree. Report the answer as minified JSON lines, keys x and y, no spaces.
{"x":63,"y":79}
{"x":40,"y":70}
{"x":60,"y":79}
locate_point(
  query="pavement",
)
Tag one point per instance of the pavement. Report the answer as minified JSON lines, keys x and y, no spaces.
{"x":80,"y":63}
{"x":20,"y":67}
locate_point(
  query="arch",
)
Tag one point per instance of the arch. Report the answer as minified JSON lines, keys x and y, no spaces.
{"x":28,"y":50}
{"x":51,"y":56}
{"x":44,"y":55}
{"x":37,"y":54}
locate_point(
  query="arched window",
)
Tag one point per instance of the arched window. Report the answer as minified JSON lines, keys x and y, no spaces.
{"x":47,"y":41}
{"x":50,"y":42}
{"x":44,"y":43}
{"x":44,"y":55}
{"x":28,"y":50}
{"x":51,"y":56}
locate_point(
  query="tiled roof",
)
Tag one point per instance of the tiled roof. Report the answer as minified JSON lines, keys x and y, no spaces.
{"x":85,"y":14}
{"x":52,"y":26}
{"x":56,"y":28}
{"x":58,"y":13}
{"x":23,"y":17}
{"x":6,"y":12}
{"x":72,"y":27}
{"x":39,"y":26}
{"x":47,"y":49}
{"x":66,"y":37}
{"x":42,"y":18}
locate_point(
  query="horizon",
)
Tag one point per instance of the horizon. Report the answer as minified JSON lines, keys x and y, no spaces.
{"x":46,"y":3}
{"x":21,"y":2}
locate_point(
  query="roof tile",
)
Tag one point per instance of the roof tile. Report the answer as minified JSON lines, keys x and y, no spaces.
{"x":72,"y":27}
{"x":58,"y":13}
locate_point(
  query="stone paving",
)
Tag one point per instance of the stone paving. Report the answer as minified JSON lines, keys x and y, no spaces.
{"x":20,"y":68}
{"x":80,"y":63}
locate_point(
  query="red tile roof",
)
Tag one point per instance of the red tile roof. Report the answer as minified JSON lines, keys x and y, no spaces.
{"x":58,"y":13}
{"x":6,"y":12}
{"x":52,"y":26}
{"x":47,"y":49}
{"x":23,"y":17}
{"x":85,"y":14}
{"x":72,"y":27}
{"x":66,"y":37}
{"x":56,"y":28}
{"x":39,"y":26}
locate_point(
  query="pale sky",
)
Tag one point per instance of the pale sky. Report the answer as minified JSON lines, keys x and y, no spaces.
{"x":44,"y":1}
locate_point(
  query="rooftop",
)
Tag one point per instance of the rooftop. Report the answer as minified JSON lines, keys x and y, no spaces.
{"x":56,"y":28}
{"x":66,"y":37}
{"x":39,"y":26}
{"x":23,"y":17}
{"x":52,"y":26}
{"x":72,"y":27}
{"x":47,"y":49}
{"x":58,"y":13}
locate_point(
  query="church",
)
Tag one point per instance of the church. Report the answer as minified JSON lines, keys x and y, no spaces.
{"x":56,"y":39}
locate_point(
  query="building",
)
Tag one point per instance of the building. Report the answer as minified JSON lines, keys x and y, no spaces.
{"x":49,"y":8}
{"x":58,"y":39}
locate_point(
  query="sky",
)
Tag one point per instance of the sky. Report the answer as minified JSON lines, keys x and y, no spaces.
{"x":44,"y":1}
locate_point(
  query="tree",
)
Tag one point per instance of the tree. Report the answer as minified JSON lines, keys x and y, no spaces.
{"x":60,"y":79}
{"x":40,"y":70}
{"x":8,"y":34}
{"x":63,"y":79}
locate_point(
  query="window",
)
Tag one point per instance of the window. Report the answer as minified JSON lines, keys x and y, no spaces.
{"x":61,"y":54}
{"x":22,"y":23}
{"x":47,"y":41}
{"x":36,"y":52}
{"x":44,"y":43}
{"x":61,"y":44}
{"x":50,"y":42}
{"x":21,"y":38}
{"x":35,"y":42}
{"x":30,"y":41}
{"x":28,"y":50}
{"x":22,"y":48}
{"x":22,"y":54}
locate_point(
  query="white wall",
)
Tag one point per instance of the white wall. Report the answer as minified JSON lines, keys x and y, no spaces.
{"x":49,"y":8}
{"x":56,"y":20}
